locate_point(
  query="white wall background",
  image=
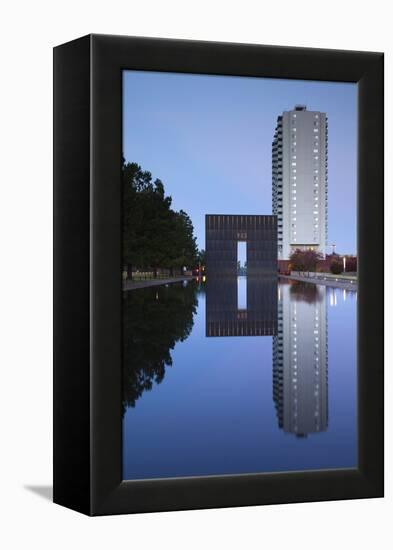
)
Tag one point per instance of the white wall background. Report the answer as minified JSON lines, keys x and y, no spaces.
{"x":28,"y":31}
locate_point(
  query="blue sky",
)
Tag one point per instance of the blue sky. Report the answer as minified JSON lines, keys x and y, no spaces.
{"x":208,"y":138}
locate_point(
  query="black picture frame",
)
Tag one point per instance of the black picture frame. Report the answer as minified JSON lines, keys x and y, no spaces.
{"x":87,"y":264}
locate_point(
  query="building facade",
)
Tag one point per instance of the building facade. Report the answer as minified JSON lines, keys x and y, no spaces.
{"x":224,"y":231}
{"x":300,"y":181}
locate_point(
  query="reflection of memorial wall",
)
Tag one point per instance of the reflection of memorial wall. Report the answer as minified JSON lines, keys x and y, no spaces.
{"x":300,"y":359}
{"x":223,"y":316}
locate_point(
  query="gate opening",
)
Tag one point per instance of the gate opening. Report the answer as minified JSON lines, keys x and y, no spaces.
{"x":241,"y":257}
{"x":241,"y":275}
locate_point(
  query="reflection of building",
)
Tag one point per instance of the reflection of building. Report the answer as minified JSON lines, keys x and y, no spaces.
{"x":257,"y":317}
{"x":299,"y":180}
{"x":300,"y":359}
{"x":223,"y":232}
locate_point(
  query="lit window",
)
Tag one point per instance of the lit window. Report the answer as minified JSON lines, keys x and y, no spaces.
{"x":293,"y":163}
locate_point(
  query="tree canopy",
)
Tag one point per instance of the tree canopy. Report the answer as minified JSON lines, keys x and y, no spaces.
{"x":304,"y":260}
{"x":154,"y":235}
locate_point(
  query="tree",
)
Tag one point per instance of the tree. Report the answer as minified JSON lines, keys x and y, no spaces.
{"x":182,"y":246}
{"x":305,"y":260}
{"x":156,"y":228}
{"x":134,"y":180}
{"x":154,"y":235}
{"x":351,"y":264}
{"x":201,"y":257}
{"x":336,"y":267}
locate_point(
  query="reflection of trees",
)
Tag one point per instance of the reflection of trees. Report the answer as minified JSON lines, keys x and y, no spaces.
{"x":305,"y":292}
{"x":154,"y":319}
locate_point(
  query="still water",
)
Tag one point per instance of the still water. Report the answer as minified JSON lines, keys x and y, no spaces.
{"x":238,"y":376}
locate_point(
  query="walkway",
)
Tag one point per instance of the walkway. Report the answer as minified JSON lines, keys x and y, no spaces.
{"x":133,"y":285}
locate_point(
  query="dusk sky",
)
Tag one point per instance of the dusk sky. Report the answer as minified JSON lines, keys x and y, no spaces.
{"x":208,"y":138}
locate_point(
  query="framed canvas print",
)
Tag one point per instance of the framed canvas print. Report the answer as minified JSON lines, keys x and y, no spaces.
{"x":218,"y":275}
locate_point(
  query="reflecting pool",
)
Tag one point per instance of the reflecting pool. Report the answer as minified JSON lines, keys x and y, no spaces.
{"x":238,"y":376}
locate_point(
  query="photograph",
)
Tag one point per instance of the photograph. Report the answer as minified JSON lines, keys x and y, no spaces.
{"x":194,"y":275}
{"x":239,"y":275}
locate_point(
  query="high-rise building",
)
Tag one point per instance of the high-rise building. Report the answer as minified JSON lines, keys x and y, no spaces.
{"x":299,"y":181}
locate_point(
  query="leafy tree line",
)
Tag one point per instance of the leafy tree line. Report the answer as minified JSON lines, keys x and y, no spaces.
{"x":305,"y":260}
{"x":337,"y":265}
{"x":154,"y":235}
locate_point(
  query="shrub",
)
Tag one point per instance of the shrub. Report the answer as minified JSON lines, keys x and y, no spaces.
{"x":336,"y":267}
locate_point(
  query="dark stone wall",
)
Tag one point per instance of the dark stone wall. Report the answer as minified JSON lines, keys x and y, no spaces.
{"x":222,"y":235}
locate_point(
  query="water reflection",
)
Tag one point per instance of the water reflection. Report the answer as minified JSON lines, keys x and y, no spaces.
{"x":300,"y":359}
{"x":212,"y":412}
{"x":241,"y":306}
{"x":154,"y":320}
